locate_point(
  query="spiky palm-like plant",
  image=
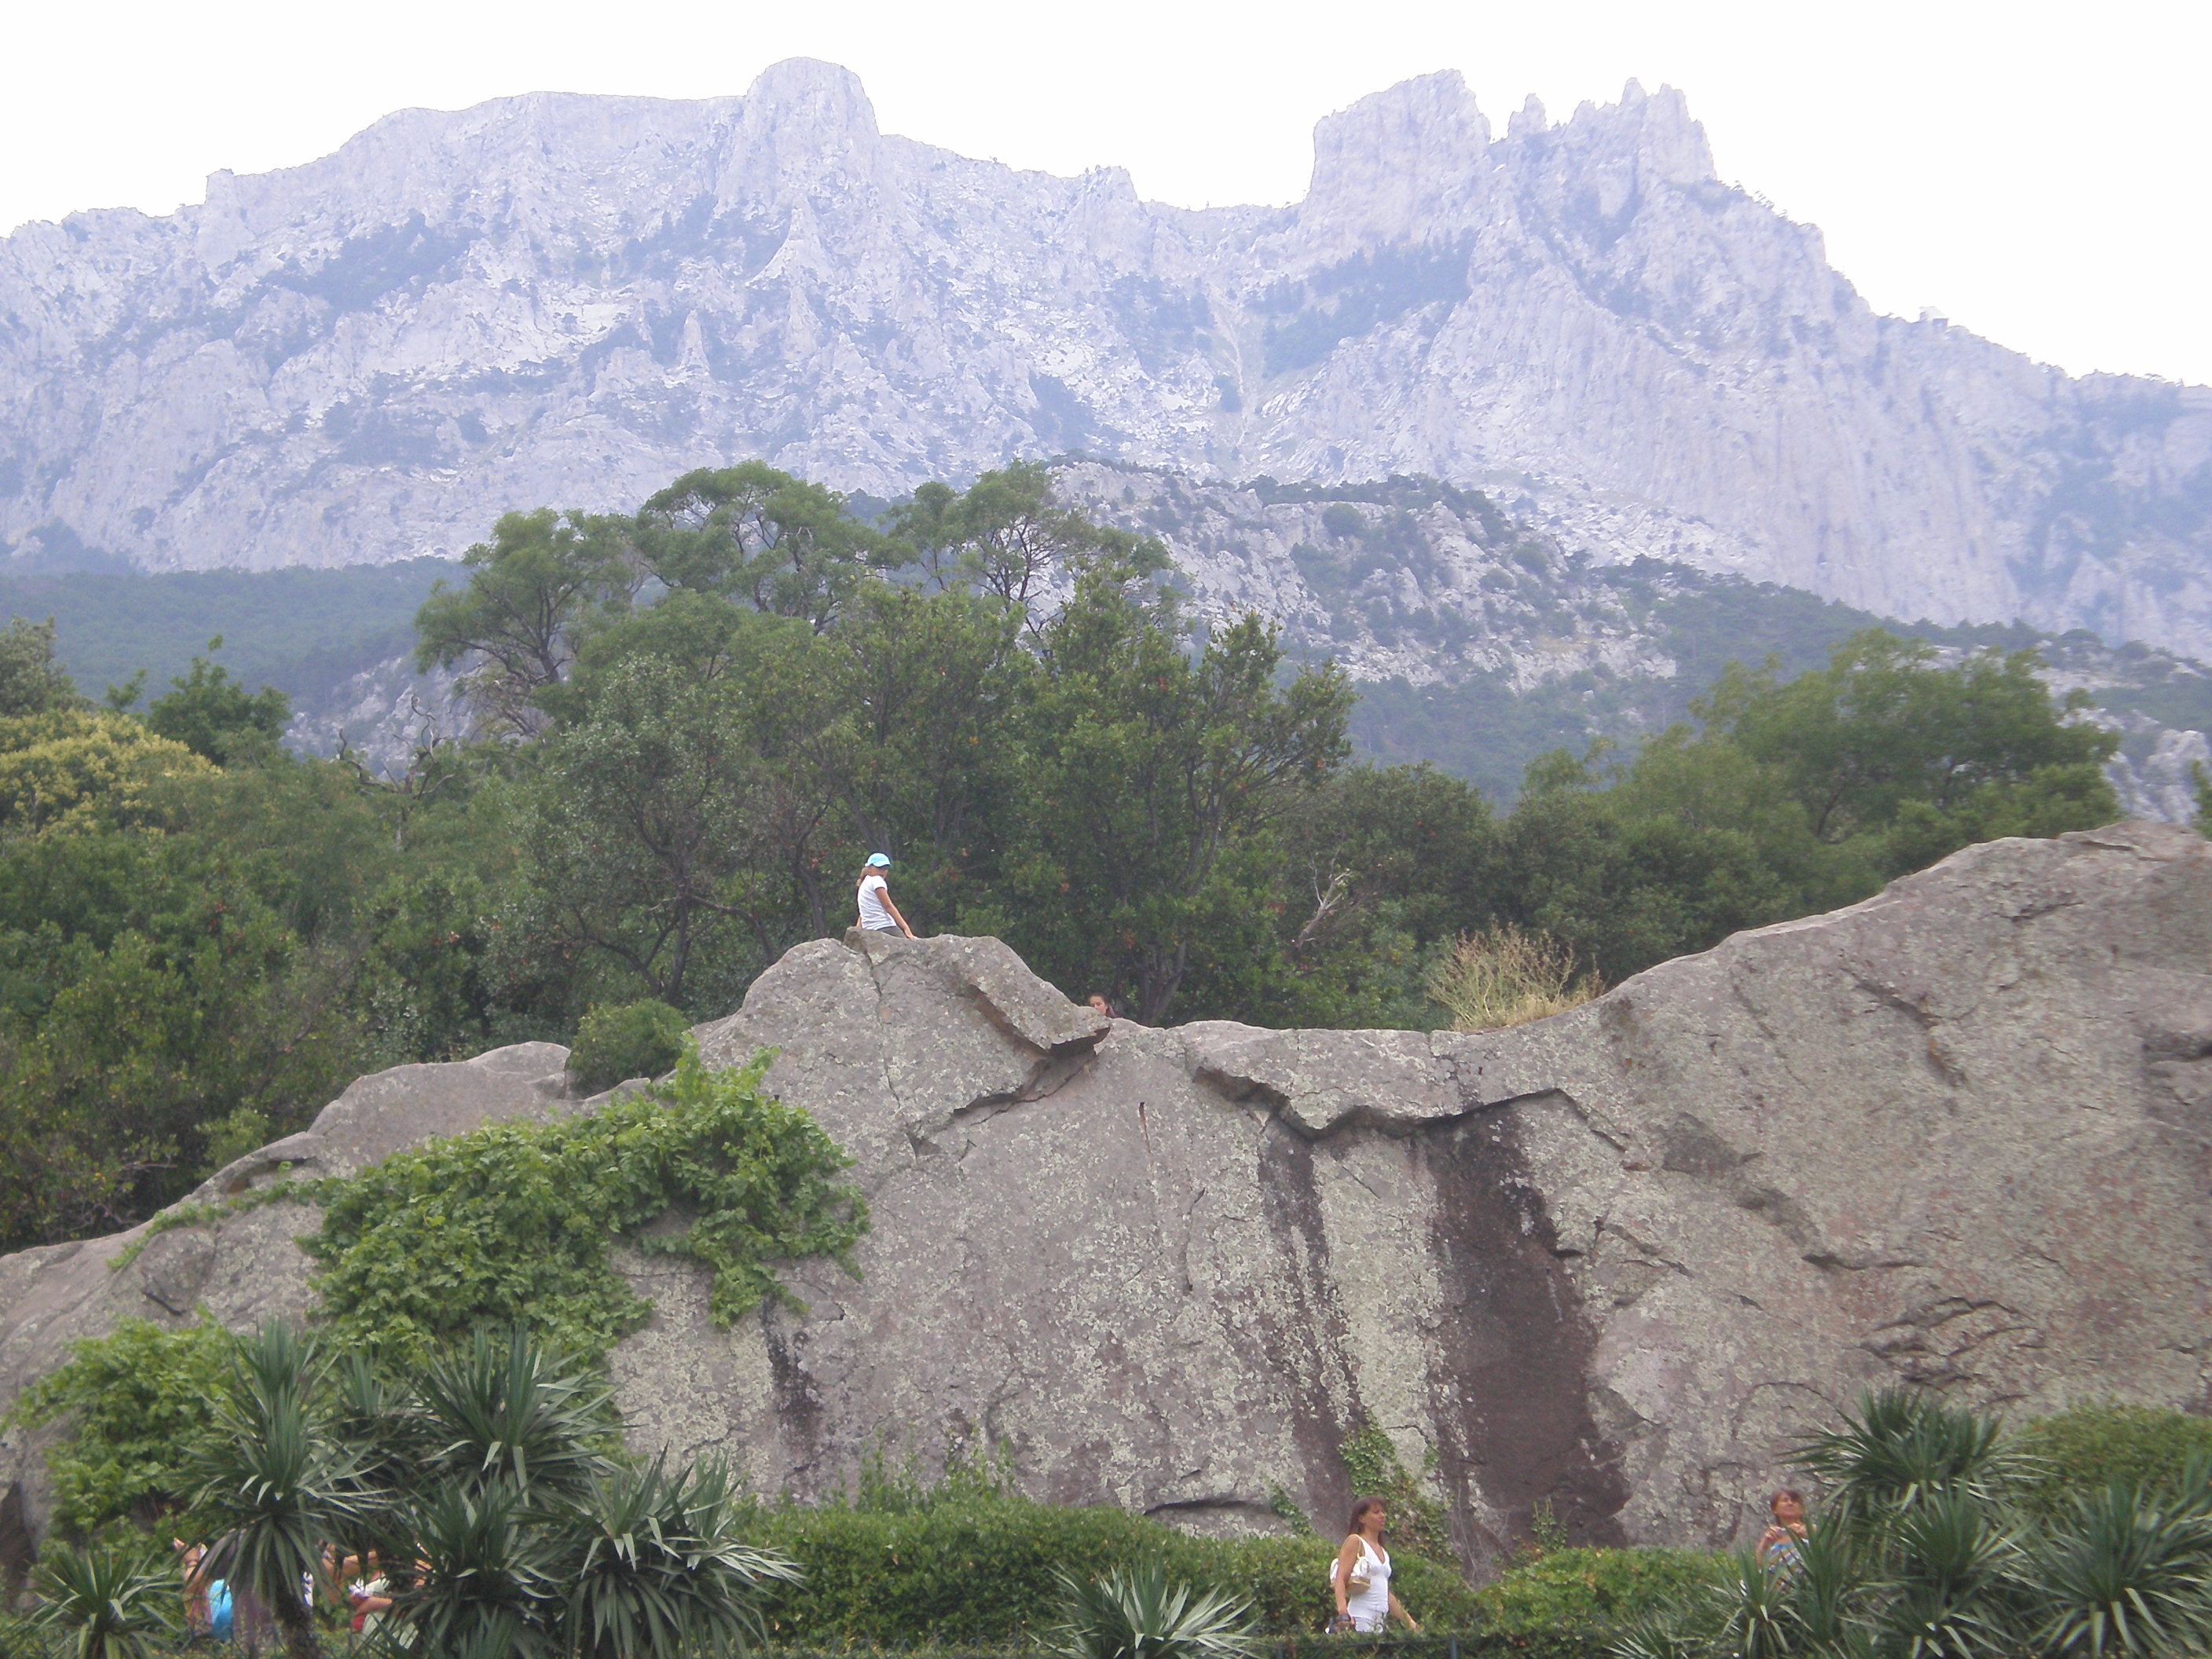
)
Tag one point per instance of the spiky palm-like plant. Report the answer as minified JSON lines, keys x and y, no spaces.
{"x":488,"y":1566}
{"x":1946,"y":1593}
{"x":1753,"y":1614}
{"x":508,"y":1409}
{"x":660,"y":1569}
{"x":1140,"y":1614}
{"x":275,"y":1481}
{"x":1900,"y":1448}
{"x":2121,"y":1574}
{"x":106,"y":1603}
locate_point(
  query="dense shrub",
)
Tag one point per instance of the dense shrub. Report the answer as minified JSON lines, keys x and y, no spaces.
{"x":638,"y":1039}
{"x":982,"y":1569}
{"x":1568,"y":1602}
{"x":138,"y":1402}
{"x":2083,"y":1449}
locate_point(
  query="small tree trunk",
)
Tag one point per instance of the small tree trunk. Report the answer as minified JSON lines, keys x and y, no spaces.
{"x":298,"y":1626}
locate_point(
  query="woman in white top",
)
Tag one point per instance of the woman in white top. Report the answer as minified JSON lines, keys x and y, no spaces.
{"x":1361,"y":1575}
{"x":878,"y":914}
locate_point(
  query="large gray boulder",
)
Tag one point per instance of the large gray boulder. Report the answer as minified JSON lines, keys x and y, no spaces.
{"x":1613,"y":1260}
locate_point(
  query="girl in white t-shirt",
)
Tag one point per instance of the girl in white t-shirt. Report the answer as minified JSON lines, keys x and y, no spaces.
{"x":878,"y":914}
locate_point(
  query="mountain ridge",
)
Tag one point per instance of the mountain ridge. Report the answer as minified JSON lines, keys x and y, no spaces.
{"x":563,"y":298}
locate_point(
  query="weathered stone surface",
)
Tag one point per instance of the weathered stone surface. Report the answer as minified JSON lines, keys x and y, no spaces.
{"x":1960,"y":1133}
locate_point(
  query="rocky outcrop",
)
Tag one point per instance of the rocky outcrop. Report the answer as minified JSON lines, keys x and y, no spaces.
{"x":569,"y":300}
{"x":1959,"y":1134}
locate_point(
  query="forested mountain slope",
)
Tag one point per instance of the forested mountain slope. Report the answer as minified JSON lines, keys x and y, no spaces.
{"x":573,"y":298}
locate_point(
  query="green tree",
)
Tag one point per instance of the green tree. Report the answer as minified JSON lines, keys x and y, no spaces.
{"x":1009,"y":534}
{"x":31,"y":681}
{"x":1152,"y":781}
{"x":535,"y":590}
{"x":1886,"y":741}
{"x":216,"y":718}
{"x":750,"y":534}
{"x":1794,"y":797}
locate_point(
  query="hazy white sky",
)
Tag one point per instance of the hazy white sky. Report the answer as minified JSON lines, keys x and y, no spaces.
{"x":2040,"y":172}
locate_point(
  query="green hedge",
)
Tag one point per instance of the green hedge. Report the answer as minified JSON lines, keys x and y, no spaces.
{"x":981,"y":1570}
{"x":1568,"y":1602}
{"x":2083,"y":1449}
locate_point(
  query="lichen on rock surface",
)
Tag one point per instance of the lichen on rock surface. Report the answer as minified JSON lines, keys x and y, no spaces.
{"x":1612,"y":1261}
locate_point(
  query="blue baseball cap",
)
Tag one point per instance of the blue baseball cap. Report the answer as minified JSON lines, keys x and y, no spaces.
{"x":879,"y":861}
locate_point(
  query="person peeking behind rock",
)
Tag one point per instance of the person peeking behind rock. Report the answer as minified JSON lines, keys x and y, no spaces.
{"x":878,"y":914}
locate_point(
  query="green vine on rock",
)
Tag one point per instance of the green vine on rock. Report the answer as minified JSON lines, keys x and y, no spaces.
{"x":1417,"y":1523}
{"x":517,"y":1223}
{"x":284,"y":1191}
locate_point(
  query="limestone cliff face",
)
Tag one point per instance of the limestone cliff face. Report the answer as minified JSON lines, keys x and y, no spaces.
{"x":1959,"y":1134}
{"x":569,"y":299}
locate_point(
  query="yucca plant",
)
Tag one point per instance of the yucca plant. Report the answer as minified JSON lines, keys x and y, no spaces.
{"x":2121,"y":1574}
{"x":276,"y":1482}
{"x":487,"y":1565}
{"x":1947,"y":1594}
{"x":660,"y":1569}
{"x":1901,"y":1448}
{"x":1138,"y":1613}
{"x":1828,"y":1589}
{"x":1671,"y":1632}
{"x":106,"y":1603}
{"x":1754,"y":1614}
{"x":508,"y":1409}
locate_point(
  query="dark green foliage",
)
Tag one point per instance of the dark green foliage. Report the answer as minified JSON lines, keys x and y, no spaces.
{"x":1794,"y":797}
{"x":172,"y":988}
{"x":216,"y":718}
{"x":512,"y":1224}
{"x":139,"y":1403}
{"x":31,"y":681}
{"x":275,"y":1484}
{"x":1141,"y":852}
{"x":1945,"y":1538}
{"x":637,"y":1039}
{"x":984,"y":1569}
{"x":710,"y":710}
{"x":2080,"y":1452}
{"x":2122,"y":1572}
{"x":299,"y":630}
{"x":662,"y":1568}
{"x":1899,"y":1450}
{"x":542,"y":581}
{"x":1566,"y":1602}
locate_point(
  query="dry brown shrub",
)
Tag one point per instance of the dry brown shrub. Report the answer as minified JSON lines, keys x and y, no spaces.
{"x":1507,"y":975}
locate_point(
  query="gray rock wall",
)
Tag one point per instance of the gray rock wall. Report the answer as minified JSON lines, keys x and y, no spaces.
{"x":1957,"y":1134}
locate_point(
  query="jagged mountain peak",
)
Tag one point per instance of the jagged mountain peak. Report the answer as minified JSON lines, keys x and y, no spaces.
{"x":1398,"y":158}
{"x":570,"y":299}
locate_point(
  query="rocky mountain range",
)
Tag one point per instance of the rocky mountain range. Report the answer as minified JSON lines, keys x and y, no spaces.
{"x":569,"y":299}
